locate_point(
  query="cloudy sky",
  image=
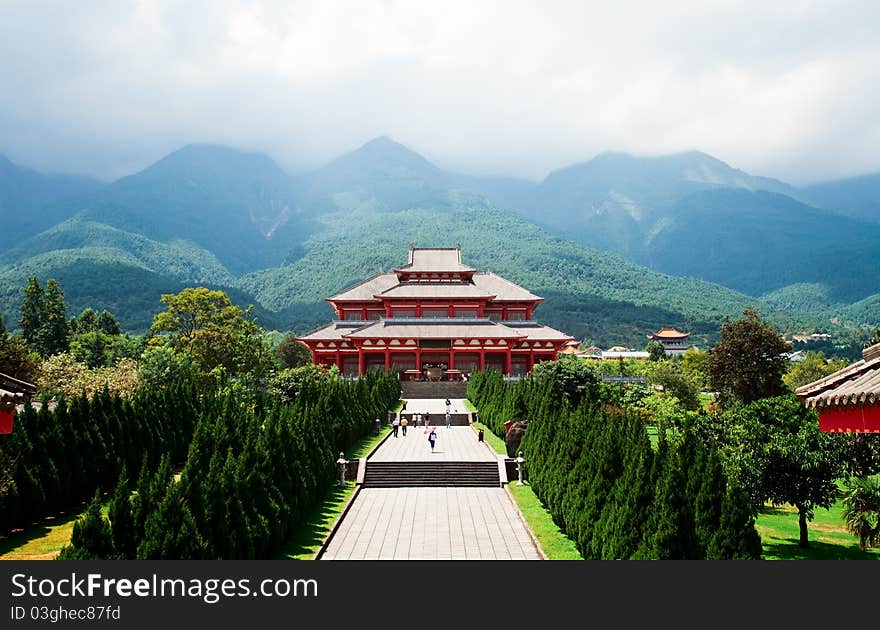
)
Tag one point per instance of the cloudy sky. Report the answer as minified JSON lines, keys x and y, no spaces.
{"x":784,"y":89}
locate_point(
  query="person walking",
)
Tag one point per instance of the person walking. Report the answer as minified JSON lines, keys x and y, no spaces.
{"x":448,"y":420}
{"x":378,"y":425}
{"x":403,"y":424}
{"x":432,"y":438}
{"x":395,"y":425}
{"x":427,"y":419}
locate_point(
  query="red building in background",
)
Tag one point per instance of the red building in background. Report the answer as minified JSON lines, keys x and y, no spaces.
{"x":434,"y":318}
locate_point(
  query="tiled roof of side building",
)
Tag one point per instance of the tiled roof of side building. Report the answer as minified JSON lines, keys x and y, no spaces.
{"x":333,"y":331}
{"x":364,"y":291}
{"x":855,"y":385}
{"x":442,"y":328}
{"x":435,"y":259}
{"x":538,"y":331}
{"x":503,"y":290}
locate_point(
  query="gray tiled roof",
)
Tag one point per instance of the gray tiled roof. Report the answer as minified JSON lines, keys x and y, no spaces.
{"x":366,"y":290}
{"x":502,"y":289}
{"x":435,"y":259}
{"x":856,"y":385}
{"x":436,"y":289}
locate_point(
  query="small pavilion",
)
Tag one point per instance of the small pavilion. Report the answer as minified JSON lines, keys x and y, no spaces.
{"x":848,"y":401}
{"x":434,"y":318}
{"x":674,"y":341}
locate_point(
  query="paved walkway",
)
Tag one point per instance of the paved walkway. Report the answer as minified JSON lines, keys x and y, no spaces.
{"x":433,"y":523}
{"x":458,"y":444}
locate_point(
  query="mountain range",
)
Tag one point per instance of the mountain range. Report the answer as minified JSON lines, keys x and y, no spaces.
{"x":617,"y":246}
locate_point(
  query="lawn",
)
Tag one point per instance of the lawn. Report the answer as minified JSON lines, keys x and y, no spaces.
{"x":828,"y":537}
{"x":308,"y":540}
{"x":556,"y":545}
{"x":42,"y":541}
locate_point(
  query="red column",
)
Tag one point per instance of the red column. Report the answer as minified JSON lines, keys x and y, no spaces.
{"x":507,"y":361}
{"x":362,"y":368}
{"x":531,"y":360}
{"x":451,"y":358}
{"x":387,"y":359}
{"x":419,"y":359}
{"x":482,"y":359}
{"x":364,"y":313}
{"x":339,"y":360}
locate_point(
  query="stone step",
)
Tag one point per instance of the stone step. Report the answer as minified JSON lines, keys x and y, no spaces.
{"x":431,"y":474}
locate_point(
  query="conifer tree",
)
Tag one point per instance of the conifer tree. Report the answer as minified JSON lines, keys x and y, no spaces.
{"x":122,"y":521}
{"x":54,"y":336}
{"x":32,"y":319}
{"x":736,"y":537}
{"x":91,"y":538}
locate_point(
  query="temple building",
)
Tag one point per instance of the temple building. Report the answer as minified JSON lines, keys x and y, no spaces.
{"x":434,"y":318}
{"x":848,"y":401}
{"x":674,"y":341}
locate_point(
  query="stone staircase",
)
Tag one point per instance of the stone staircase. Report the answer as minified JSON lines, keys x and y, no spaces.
{"x":439,"y":419}
{"x":437,"y":389}
{"x":431,"y":474}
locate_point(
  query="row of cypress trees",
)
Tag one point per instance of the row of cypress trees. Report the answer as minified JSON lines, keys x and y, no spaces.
{"x":605,"y":486}
{"x":253,"y":472}
{"x":56,"y":459}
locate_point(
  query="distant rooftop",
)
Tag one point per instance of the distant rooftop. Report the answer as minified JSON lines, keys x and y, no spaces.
{"x":435,"y":259}
{"x":668,"y":333}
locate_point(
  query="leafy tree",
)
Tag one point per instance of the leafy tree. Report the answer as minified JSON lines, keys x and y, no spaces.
{"x":219,"y":336}
{"x":780,"y":456}
{"x":861,"y":509}
{"x":669,"y":375}
{"x":656,"y":351}
{"x":811,"y":368}
{"x":32,"y":319}
{"x":291,"y":353}
{"x":748,"y":362}
{"x":16,"y":360}
{"x":86,"y":322}
{"x":695,"y":365}
{"x":572,"y":375}
{"x":107,"y":324}
{"x":160,"y":366}
{"x":875,"y":339}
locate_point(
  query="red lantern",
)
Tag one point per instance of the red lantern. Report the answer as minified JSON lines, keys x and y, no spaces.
{"x":6,"y":420}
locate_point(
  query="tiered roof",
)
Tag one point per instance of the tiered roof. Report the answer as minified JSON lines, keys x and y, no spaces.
{"x":668,"y":333}
{"x":856,"y":385}
{"x":435,"y":259}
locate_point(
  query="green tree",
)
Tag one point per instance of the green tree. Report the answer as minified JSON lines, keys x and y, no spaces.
{"x":291,"y":353}
{"x":780,"y":456}
{"x":108,"y":325}
{"x":91,"y":538}
{"x":54,"y":337}
{"x":32,"y":319}
{"x":669,"y":376}
{"x":219,"y":336}
{"x":748,"y":362}
{"x":87,"y":321}
{"x":656,"y":351}
{"x":15,"y":358}
{"x":861,"y":509}
{"x":811,"y":368}
{"x":572,"y":375}
{"x":695,"y":365}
